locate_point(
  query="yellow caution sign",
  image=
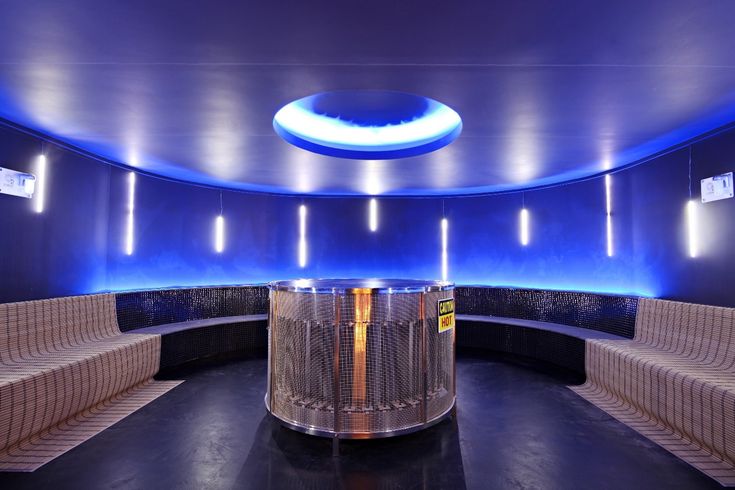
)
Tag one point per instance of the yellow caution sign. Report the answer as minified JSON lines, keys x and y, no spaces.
{"x":446,"y":314}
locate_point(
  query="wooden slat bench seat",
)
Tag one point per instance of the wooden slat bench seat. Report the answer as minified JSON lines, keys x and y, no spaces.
{"x":59,"y":357}
{"x":674,"y":381}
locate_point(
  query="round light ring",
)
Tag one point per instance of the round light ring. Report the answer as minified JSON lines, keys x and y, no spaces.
{"x":367,"y":124}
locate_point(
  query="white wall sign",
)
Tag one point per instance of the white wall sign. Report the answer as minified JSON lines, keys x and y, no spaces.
{"x":17,"y":183}
{"x":717,"y":187}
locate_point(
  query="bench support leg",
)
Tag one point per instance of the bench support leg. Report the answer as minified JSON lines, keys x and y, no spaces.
{"x":335,"y":447}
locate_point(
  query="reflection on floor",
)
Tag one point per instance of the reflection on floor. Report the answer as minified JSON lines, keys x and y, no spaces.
{"x":516,"y":427}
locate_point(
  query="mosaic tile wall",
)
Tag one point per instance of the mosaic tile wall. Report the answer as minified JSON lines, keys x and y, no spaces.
{"x":607,"y":313}
{"x":140,"y":309}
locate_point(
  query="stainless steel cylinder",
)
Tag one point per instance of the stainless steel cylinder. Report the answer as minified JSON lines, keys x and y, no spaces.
{"x":381,"y":351}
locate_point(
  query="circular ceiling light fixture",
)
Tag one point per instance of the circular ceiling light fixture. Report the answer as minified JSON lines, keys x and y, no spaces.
{"x":367,"y":124}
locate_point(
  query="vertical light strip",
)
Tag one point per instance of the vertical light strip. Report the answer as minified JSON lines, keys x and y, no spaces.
{"x":692,"y":218}
{"x":608,"y":211}
{"x":219,"y":234}
{"x":693,"y":228}
{"x":40,"y":194}
{"x":445,"y":239}
{"x":131,"y":211}
{"x":373,"y":221}
{"x":302,"y":236}
{"x":525,"y":234}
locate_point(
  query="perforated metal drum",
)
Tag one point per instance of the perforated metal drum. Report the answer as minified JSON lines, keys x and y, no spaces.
{"x":375,"y":349}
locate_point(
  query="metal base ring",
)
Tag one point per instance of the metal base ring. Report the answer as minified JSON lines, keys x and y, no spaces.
{"x":362,"y":435}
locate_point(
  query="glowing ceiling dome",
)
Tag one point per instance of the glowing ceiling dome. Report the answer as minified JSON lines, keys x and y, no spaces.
{"x":367,"y":124}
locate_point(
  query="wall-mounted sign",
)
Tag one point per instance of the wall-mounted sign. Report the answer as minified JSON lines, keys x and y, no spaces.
{"x":446,"y":314}
{"x":717,"y":187}
{"x":17,"y":183}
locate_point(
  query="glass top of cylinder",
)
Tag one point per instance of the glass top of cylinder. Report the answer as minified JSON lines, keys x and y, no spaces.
{"x":356,"y":286}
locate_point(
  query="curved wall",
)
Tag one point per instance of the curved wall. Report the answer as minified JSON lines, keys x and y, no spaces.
{"x":77,"y":245}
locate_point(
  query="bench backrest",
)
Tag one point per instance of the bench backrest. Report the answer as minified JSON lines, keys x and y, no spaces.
{"x":705,"y":333}
{"x":36,"y":327}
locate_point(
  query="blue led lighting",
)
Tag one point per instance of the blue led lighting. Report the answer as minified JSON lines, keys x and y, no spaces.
{"x":367,"y":125}
{"x":157,"y":285}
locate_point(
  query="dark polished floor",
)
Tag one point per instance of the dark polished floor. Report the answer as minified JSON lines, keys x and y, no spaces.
{"x":516,"y":427}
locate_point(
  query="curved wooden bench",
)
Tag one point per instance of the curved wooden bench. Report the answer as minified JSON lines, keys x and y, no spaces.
{"x":71,"y":366}
{"x":670,"y":376}
{"x":674,"y":382}
{"x":59,"y":359}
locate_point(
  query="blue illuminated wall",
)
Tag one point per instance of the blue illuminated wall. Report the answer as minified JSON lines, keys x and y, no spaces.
{"x":78,"y":244}
{"x":63,"y":250}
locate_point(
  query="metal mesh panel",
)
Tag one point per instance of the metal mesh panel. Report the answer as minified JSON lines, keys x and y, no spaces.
{"x":301,"y":354}
{"x":440,"y":348}
{"x":384,"y":346}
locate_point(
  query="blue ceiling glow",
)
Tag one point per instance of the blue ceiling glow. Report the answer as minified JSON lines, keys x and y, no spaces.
{"x":554,"y":95}
{"x":367,"y":124}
